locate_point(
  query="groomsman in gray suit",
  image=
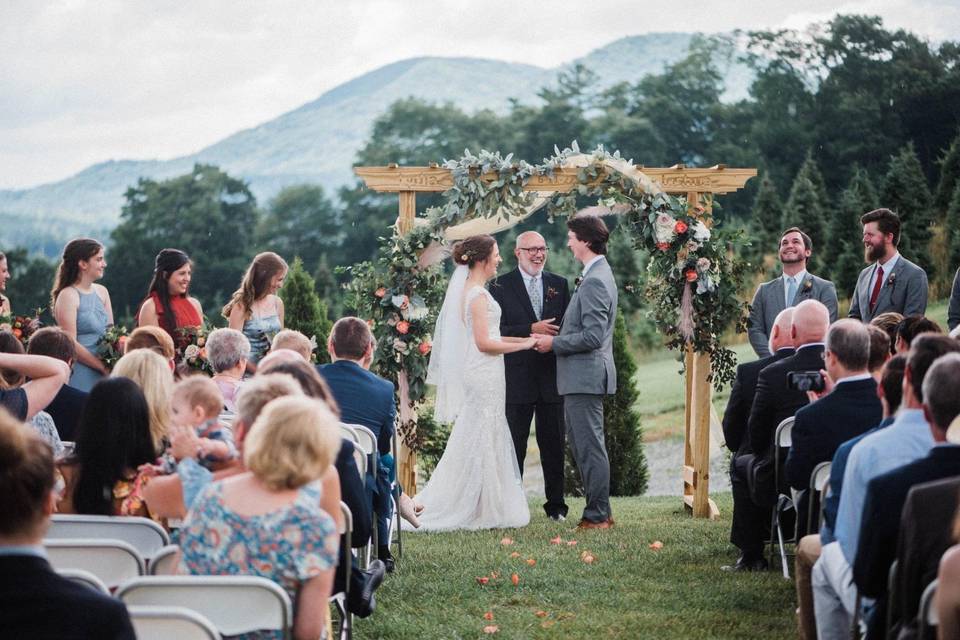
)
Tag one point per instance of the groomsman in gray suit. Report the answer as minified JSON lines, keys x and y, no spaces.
{"x":891,"y":283}
{"x":790,"y":289}
{"x":585,"y":368}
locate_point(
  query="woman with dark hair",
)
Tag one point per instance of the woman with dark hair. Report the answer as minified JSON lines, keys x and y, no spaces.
{"x":113,"y":441}
{"x":168,"y":304}
{"x":4,"y":276}
{"x":81,"y":307}
{"x":255,"y":309}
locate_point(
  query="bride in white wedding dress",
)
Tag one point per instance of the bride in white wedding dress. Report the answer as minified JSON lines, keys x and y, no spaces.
{"x":477,"y":483}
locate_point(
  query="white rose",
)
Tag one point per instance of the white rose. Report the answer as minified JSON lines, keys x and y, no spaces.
{"x":700,"y":231}
{"x":192,"y":351}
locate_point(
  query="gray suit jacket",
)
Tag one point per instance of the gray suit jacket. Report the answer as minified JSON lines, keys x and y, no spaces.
{"x":904,"y":292}
{"x":768,"y":301}
{"x":584,"y":346}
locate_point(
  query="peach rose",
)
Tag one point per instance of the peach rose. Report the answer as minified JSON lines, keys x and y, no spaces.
{"x":403,"y":327}
{"x":681,"y":227}
{"x":382,"y":291}
{"x":691,"y":275}
{"x":663,"y":246}
{"x":424,"y":347}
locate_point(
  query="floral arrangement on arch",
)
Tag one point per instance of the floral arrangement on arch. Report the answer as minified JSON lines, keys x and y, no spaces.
{"x":693,"y":276}
{"x":22,"y":327}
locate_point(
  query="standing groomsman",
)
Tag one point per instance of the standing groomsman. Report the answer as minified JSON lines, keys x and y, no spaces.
{"x":533,"y":301}
{"x":791,"y":288}
{"x":891,"y":283}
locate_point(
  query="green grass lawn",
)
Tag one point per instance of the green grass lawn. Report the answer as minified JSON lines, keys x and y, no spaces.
{"x":630,"y":591}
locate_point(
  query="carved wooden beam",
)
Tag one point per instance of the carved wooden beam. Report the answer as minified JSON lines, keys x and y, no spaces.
{"x":676,"y":179}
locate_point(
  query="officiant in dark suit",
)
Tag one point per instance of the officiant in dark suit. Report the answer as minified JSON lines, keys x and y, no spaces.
{"x":533,"y":300}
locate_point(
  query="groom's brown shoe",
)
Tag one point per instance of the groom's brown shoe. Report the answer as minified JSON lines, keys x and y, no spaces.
{"x":590,"y":524}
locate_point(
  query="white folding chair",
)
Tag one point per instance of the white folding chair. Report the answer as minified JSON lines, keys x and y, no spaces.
{"x":347,"y":432}
{"x":234,"y":604}
{"x":366,"y":441}
{"x":164,"y":623}
{"x":819,"y":481}
{"x":927,"y":619}
{"x":782,"y":440}
{"x":164,"y":562}
{"x":340,"y":599}
{"x":85,"y":578}
{"x":145,"y":535}
{"x":112,"y":561}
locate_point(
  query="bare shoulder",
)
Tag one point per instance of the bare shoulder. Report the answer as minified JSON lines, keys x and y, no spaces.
{"x":196,"y":305}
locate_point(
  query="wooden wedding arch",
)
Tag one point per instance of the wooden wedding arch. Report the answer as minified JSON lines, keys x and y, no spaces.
{"x":699,"y":186}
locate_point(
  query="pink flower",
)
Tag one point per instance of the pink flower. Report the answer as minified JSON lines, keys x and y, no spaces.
{"x":424,"y":347}
{"x":691,"y":275}
{"x":680,"y":227}
{"x":663,"y":246}
{"x":403,"y":327}
{"x":382,"y":291}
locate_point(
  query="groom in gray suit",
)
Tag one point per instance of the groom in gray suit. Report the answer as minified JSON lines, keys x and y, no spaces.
{"x":893,"y":283}
{"x":789,"y":290}
{"x":585,"y":369}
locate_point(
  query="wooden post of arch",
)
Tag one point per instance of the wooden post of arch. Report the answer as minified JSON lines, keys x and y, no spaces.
{"x":695,"y":184}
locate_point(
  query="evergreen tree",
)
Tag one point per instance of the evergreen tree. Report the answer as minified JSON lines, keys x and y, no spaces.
{"x":804,"y":209}
{"x":303,"y":309}
{"x":949,"y":178}
{"x":327,"y":288}
{"x":767,"y":217}
{"x":906,"y":192}
{"x":621,"y":426}
{"x":845,"y":241}
{"x":952,"y":222}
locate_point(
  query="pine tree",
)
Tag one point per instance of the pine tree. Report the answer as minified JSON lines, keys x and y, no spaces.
{"x":621,"y":426}
{"x":949,"y":178}
{"x":951,"y":223}
{"x":303,"y":309}
{"x":906,"y":192}
{"x":804,"y":209}
{"x":766,"y":217}
{"x":845,"y":233}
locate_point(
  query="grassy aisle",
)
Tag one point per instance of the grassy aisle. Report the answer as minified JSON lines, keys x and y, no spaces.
{"x":629,"y":591}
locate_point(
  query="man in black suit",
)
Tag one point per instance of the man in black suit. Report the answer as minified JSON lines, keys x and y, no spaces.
{"x":67,"y":405}
{"x":851,"y":408}
{"x":773,"y":402}
{"x":880,"y":523}
{"x":533,"y":301}
{"x":37,"y":602}
{"x":746,"y":513}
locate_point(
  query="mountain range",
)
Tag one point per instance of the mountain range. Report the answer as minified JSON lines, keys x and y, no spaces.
{"x":318,"y":142}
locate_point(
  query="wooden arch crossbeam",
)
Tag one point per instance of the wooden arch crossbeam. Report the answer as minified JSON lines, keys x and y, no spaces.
{"x":696,"y":185}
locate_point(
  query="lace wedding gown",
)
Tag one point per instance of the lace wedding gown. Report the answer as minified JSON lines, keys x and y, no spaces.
{"x":477,"y":483}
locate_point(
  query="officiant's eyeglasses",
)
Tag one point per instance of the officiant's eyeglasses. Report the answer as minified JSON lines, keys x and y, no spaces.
{"x":534,"y":249}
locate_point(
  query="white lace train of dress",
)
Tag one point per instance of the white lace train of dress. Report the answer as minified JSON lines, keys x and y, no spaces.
{"x":477,"y":483}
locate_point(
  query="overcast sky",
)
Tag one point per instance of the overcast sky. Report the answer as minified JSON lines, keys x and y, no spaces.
{"x":83,"y":81}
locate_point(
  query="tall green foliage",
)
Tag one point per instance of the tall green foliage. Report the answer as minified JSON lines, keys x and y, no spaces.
{"x":303,"y":309}
{"x":301,"y":221}
{"x":621,"y":425}
{"x":952,"y":223}
{"x":805,"y":209}
{"x":845,"y":241}
{"x":767,"y":217}
{"x":31,"y":278}
{"x":949,"y":178}
{"x":905,"y":191}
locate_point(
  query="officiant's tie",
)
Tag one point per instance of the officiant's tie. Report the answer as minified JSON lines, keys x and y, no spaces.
{"x":535,"y":299}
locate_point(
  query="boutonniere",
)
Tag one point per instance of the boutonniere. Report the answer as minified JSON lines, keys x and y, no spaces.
{"x":551,"y":293}
{"x":891,"y":280}
{"x":577,"y":281}
{"x":808,"y":284}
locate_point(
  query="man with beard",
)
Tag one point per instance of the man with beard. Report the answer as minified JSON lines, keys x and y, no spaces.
{"x":791,"y":288}
{"x":891,"y":283}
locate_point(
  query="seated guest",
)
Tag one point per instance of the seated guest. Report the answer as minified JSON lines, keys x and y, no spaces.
{"x":947,"y":600}
{"x":196,"y":405}
{"x":103,"y":474}
{"x":46,"y":376}
{"x":889,"y":322}
{"x":912,"y":326}
{"x":37,"y":602}
{"x":67,"y":405}
{"x":227,"y":352}
{"x":879,"y":351}
{"x":152,"y":374}
{"x":41,"y":422}
{"x":886,"y":493}
{"x":746,"y":514}
{"x":904,"y":441}
{"x":155,"y":339}
{"x":269,"y":518}
{"x":295,"y":341}
{"x":775,"y":401}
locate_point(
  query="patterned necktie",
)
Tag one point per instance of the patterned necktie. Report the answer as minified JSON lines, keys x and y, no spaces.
{"x":535,"y":300}
{"x":876,"y":288}
{"x":791,"y":290}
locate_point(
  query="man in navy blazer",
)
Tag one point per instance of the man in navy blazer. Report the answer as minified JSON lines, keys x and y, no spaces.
{"x":365,"y":399}
{"x":531,"y":376}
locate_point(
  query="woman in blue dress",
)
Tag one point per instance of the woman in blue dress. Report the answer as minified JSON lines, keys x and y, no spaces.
{"x":255,"y":309}
{"x":82,"y":308}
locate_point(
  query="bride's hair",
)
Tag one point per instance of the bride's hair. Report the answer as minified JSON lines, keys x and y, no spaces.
{"x":474,"y":249}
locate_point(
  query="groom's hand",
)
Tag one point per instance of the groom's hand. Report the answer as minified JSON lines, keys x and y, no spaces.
{"x":544,"y":343}
{"x":546,"y":327}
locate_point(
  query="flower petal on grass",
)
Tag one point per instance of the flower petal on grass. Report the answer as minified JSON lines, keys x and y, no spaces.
{"x":656,"y":545}
{"x":506,"y":541}
{"x":491,"y":628}
{"x":541,"y":614}
{"x":531,"y":562}
{"x":515,"y":579}
{"x":515,"y":554}
{"x":557,"y":540}
{"x":488,"y":615}
{"x":482,"y":580}
{"x":571,"y":543}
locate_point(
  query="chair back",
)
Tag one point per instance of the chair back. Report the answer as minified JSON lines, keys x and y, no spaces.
{"x":234,"y":604}
{"x":892,"y":604}
{"x":163,"y":623}
{"x":365,"y":438}
{"x":85,"y":578}
{"x":164,"y":562}
{"x":349,"y":433}
{"x":145,"y":535}
{"x":819,"y":481}
{"x":112,"y":561}
{"x":782,"y":439}
{"x":927,"y":619}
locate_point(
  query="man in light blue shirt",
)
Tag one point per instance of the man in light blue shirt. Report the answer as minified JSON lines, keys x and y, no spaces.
{"x":904,"y":441}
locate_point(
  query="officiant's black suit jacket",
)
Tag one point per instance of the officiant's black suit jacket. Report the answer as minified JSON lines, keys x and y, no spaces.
{"x":531,"y":376}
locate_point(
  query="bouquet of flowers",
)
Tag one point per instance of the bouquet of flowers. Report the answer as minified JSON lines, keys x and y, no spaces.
{"x":22,"y":327}
{"x":111,"y":345}
{"x":191,"y":348}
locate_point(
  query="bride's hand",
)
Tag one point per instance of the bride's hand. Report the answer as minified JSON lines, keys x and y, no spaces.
{"x":530,"y":343}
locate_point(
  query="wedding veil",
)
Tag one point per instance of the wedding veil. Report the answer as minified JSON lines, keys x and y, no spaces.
{"x":450,"y":342}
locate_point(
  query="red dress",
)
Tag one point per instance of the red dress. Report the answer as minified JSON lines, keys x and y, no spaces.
{"x":184,"y":314}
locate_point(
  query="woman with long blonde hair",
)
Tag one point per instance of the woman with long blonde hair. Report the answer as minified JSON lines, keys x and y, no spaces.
{"x":152,"y":374}
{"x":255,"y":309}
